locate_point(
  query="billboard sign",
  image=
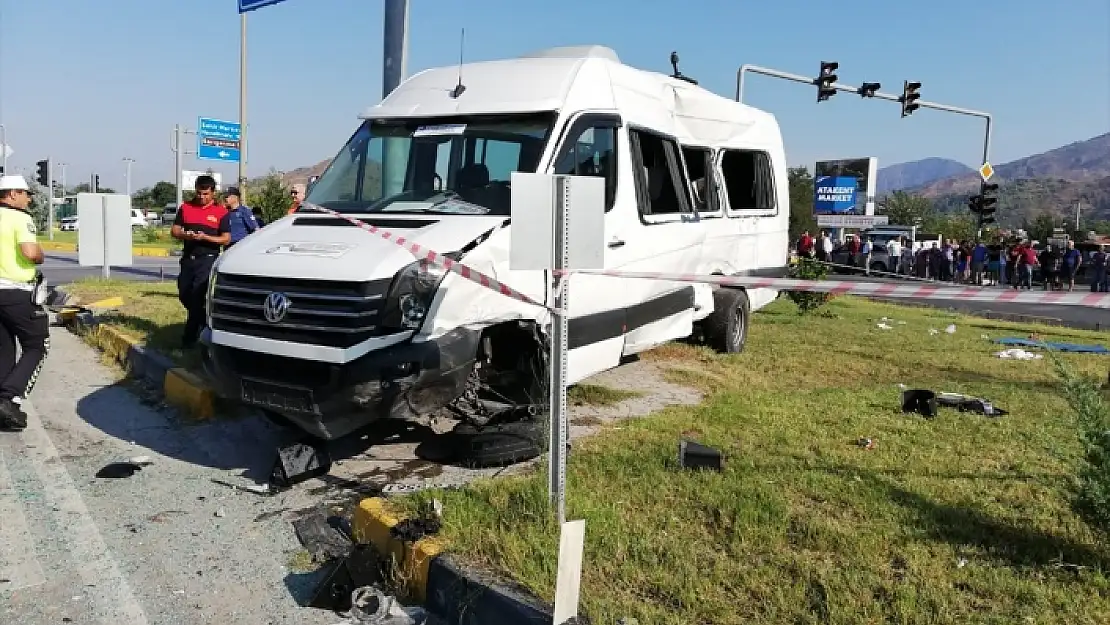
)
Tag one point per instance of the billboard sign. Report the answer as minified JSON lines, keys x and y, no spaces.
{"x":845,"y":186}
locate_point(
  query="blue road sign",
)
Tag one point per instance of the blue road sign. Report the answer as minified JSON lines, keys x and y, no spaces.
{"x":218,"y":140}
{"x":250,"y":5}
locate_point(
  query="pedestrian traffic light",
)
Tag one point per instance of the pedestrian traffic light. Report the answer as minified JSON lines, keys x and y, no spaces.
{"x":910,"y":96}
{"x":42,"y":172}
{"x":868,"y":89}
{"x":825,"y":80}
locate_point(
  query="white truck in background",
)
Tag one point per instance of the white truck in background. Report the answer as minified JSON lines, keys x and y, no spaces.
{"x":330,"y":327}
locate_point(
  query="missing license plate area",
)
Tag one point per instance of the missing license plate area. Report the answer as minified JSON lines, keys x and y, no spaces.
{"x":266,"y":395}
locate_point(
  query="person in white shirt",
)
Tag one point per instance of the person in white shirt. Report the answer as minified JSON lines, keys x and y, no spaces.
{"x":826,"y":247}
{"x":894,"y":252}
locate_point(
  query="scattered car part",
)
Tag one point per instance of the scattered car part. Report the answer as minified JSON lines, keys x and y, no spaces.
{"x":297,"y":463}
{"x":515,"y":435}
{"x":117,"y":470}
{"x":692,"y":455}
{"x":320,"y":535}
{"x":361,"y":567}
{"x":919,"y":400}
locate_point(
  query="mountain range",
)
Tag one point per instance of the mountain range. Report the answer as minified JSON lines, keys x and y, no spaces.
{"x":1053,"y":181}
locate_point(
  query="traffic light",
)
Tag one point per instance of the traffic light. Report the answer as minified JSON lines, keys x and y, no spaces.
{"x":95,"y":183}
{"x":868,"y":89}
{"x":910,"y":96}
{"x":987,"y":203}
{"x":42,"y":172}
{"x":825,"y":80}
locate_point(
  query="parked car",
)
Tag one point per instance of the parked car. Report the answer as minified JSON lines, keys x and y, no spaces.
{"x":68,"y":224}
{"x":138,"y":219}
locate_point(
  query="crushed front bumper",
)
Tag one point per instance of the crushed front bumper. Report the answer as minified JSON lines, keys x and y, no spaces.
{"x":330,"y":401}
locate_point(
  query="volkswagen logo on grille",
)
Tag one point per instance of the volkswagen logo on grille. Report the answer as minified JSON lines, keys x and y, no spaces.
{"x":275,"y":307}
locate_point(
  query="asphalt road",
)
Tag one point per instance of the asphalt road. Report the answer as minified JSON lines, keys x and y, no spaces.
{"x":62,"y":267}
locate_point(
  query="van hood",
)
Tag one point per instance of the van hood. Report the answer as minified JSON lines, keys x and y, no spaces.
{"x":312,"y":246}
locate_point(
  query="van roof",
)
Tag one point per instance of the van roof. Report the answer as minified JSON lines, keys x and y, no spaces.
{"x":581,"y":78}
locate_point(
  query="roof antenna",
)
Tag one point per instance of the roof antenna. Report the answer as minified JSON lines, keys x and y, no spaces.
{"x":459,"y":88}
{"x":677,"y":74}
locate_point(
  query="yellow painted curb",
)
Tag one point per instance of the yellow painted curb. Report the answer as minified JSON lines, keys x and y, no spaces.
{"x":111,"y":302}
{"x":372,"y":523}
{"x":113,"y":342}
{"x":137,"y":250}
{"x":187,"y":390}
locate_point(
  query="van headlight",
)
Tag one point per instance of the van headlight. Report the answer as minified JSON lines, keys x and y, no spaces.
{"x":410,"y":295}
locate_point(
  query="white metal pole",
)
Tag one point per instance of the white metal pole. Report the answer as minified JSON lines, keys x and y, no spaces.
{"x":50,"y":202}
{"x":128,"y":161}
{"x":4,"y":143}
{"x":178,"y":153}
{"x":242,"y":102}
{"x":557,"y":405}
{"x":106,"y":273}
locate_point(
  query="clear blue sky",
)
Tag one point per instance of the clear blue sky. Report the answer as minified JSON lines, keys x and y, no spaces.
{"x":89,"y":82}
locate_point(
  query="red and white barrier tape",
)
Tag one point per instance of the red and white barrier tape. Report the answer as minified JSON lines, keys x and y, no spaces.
{"x":835,"y":287}
{"x":433,"y":257}
{"x":879,"y":289}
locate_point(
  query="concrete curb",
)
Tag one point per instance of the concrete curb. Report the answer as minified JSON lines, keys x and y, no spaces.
{"x":429,"y":574}
{"x":180,"y":386}
{"x":137,"y":250}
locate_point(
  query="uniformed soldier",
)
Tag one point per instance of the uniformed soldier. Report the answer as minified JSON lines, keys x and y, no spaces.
{"x":22,"y":316}
{"x":203,"y":225}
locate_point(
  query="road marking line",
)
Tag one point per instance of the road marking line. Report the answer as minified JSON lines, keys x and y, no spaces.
{"x":105,"y":585}
{"x":19,"y":564}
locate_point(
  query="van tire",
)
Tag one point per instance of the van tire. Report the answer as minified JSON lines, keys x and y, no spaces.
{"x":726,"y":329}
{"x":499,"y":444}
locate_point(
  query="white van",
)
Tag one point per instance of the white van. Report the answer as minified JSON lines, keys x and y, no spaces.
{"x":332,"y":327}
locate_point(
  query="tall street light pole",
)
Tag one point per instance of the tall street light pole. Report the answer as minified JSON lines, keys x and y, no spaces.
{"x":242,"y":102}
{"x":128,"y":161}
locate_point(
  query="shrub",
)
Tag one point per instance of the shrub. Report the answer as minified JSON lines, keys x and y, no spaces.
{"x":1085,"y":398}
{"x":808,"y":269}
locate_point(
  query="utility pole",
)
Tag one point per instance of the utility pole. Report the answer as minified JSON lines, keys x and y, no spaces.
{"x":242,"y":103}
{"x":4,"y":149}
{"x":178,"y":158}
{"x":128,"y":161}
{"x":395,"y":39}
{"x":1078,"y":207}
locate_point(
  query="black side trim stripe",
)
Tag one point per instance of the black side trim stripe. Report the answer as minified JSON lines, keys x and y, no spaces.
{"x":610,"y":324}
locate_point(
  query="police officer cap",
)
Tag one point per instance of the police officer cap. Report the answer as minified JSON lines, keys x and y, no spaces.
{"x":13,"y":183}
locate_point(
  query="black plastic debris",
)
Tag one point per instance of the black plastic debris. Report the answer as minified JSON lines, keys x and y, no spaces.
{"x":360,"y":568}
{"x":919,"y":400}
{"x":117,"y":470}
{"x":967,"y":403}
{"x":297,"y":463}
{"x":322,"y":536}
{"x":412,"y":530}
{"x":692,"y":455}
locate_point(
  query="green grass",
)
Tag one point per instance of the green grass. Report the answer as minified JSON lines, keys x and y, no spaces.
{"x":142,"y":237}
{"x":597,"y":395}
{"x":150,"y":313}
{"x":961,"y":519}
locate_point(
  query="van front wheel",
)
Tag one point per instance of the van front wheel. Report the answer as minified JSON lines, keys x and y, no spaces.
{"x":726,"y":329}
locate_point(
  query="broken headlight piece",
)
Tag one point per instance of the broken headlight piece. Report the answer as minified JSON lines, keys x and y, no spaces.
{"x":411,"y":294}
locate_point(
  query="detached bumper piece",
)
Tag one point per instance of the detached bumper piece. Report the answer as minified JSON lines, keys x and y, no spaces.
{"x":926,"y":403}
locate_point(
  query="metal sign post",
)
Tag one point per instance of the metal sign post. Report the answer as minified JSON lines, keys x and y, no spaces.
{"x":560,"y":286}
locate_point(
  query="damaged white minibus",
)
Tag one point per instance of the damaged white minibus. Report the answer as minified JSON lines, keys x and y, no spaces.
{"x":331,"y":328}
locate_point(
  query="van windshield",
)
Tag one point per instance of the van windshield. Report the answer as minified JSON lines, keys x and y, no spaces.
{"x":459,"y":165}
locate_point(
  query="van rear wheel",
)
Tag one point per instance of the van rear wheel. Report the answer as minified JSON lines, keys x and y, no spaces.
{"x":726,"y":329}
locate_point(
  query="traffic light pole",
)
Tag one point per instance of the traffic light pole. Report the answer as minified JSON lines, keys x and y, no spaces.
{"x":49,"y":199}
{"x":806,"y":80}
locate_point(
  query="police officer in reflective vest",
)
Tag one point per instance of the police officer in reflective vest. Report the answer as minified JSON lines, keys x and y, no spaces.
{"x":203,"y":225}
{"x":22,"y":317}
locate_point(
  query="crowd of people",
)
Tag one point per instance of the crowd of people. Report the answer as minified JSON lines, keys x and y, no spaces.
{"x":1015,"y":264}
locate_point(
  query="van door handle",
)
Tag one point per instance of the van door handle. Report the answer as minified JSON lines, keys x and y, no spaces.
{"x":615,"y":243}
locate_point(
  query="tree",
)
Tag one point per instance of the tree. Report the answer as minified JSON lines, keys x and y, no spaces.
{"x":801,"y":202}
{"x":1041,"y":227}
{"x":952,"y":227}
{"x":85,"y":187}
{"x":40,"y":200}
{"x":156,"y":197}
{"x":905,"y":209}
{"x":271,"y":196}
